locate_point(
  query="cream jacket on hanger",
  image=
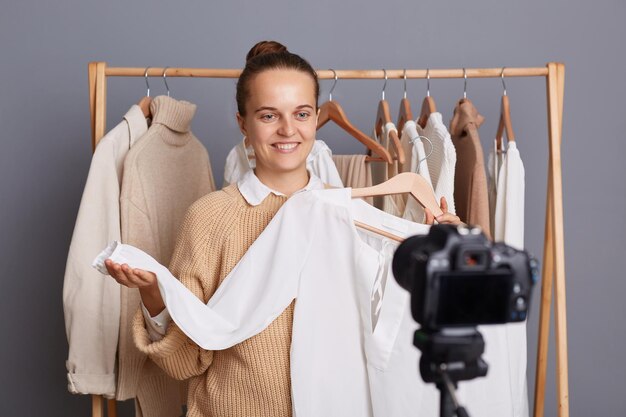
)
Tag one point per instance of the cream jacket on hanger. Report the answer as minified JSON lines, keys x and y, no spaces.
{"x":91,"y":303}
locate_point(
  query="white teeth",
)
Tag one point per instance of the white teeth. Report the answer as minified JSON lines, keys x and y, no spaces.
{"x":285,"y":146}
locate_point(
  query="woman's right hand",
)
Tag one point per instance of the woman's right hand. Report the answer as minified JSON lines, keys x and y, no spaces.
{"x":130,"y":277}
{"x":145,"y":281}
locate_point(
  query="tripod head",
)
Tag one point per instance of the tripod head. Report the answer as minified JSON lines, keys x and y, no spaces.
{"x":449,"y":356}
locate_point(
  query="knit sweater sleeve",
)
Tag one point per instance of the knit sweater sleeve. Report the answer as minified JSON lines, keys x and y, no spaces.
{"x":197,"y":264}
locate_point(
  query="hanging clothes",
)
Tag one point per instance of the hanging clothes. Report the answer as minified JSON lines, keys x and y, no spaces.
{"x":164,"y":174}
{"x":354,"y":171}
{"x":414,"y":146}
{"x":91,"y":304}
{"x":382,"y":171}
{"x":240,"y":159}
{"x":494,"y":162}
{"x":441,"y":159}
{"x":470,"y":180}
{"x":509,"y":228}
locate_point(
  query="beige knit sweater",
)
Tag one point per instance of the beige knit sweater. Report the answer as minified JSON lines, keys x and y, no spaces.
{"x":164,"y":173}
{"x":248,"y":379}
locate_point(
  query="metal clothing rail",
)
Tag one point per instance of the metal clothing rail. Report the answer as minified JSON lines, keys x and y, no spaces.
{"x":553,"y":272}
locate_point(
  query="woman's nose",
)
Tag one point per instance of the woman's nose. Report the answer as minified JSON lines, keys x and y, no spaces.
{"x":286,"y":128}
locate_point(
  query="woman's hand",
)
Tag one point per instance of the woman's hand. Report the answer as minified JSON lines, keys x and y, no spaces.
{"x":145,"y":281}
{"x":445,"y":218}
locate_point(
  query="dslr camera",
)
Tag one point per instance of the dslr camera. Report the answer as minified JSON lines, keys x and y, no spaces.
{"x":459,"y":279}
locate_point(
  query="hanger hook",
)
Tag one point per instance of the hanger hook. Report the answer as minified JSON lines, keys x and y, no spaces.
{"x":145,"y":74}
{"x":384,"y":85}
{"x":165,"y":81}
{"x":405,"y":83}
{"x":464,"y":83}
{"x":503,"y":84}
{"x":330,"y":95}
{"x":427,"y":82}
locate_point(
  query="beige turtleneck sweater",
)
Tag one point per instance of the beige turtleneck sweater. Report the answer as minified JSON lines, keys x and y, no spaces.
{"x":251,"y":378}
{"x":164,"y":173}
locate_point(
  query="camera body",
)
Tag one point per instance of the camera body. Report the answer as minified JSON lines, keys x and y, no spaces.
{"x":459,"y":278}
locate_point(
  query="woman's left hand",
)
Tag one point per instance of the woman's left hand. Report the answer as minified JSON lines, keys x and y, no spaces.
{"x":445,"y":218}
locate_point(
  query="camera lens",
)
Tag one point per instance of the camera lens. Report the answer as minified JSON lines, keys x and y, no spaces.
{"x":407,"y":254}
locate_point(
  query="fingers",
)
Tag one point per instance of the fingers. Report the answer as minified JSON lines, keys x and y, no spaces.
{"x":449,"y":218}
{"x":444,"y":204}
{"x":430,"y":218}
{"x":129,"y":277}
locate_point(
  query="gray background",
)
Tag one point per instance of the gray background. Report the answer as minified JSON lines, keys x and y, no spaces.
{"x":44,"y":122}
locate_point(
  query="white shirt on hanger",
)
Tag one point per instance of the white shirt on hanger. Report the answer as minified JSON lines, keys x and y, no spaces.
{"x":509,"y":228}
{"x":442,"y":159}
{"x":419,"y":165}
{"x":319,"y":161}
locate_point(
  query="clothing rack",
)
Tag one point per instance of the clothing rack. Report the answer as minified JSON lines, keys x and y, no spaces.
{"x":553,"y":252}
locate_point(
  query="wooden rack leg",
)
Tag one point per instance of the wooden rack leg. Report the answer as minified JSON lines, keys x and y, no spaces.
{"x":100,"y":110}
{"x":96,"y":406}
{"x":544,"y":312}
{"x":555,"y":97}
{"x":111,"y":408}
{"x":92,"y":102}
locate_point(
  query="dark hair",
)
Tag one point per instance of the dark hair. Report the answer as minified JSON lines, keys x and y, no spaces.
{"x":268,"y":55}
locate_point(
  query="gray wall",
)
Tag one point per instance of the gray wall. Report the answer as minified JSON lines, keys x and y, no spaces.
{"x":44,"y":119}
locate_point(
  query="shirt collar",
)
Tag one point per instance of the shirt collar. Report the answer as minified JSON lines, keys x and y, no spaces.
{"x":254,"y":191}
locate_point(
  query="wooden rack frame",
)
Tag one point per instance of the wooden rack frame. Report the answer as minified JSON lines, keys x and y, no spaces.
{"x":554,"y":248}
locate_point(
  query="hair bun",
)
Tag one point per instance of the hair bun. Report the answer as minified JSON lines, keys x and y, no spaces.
{"x":265,"y":47}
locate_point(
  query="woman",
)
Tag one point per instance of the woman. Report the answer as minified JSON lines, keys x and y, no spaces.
{"x":277,"y":95}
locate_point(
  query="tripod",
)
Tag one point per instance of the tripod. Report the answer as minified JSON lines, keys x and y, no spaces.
{"x":449,"y":356}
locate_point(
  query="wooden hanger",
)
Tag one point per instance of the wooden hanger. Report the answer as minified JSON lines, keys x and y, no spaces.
{"x":144,"y":105}
{"x":406,"y":182}
{"x":404,"y":114}
{"x":428,"y":105}
{"x":383,"y":116}
{"x":504,"y":124}
{"x":332,"y":111}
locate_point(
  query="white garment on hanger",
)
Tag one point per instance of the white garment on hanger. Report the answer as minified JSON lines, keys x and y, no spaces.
{"x":509,"y":228}
{"x":419,"y":165}
{"x":442,"y":159}
{"x":382,"y":171}
{"x":91,"y":304}
{"x":494,"y":162}
{"x":319,"y":161}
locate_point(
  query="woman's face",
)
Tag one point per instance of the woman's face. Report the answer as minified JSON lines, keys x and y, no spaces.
{"x":280,"y":121}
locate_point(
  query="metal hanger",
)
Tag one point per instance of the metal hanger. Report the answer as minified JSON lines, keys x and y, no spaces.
{"x":332,"y":111}
{"x":144,"y":103}
{"x":504,"y":125}
{"x":464,"y":83}
{"x":428,"y":105}
{"x":165,"y":81}
{"x":383,"y":118}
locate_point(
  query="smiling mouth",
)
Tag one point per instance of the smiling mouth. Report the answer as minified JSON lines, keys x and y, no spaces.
{"x":285,"y":146}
